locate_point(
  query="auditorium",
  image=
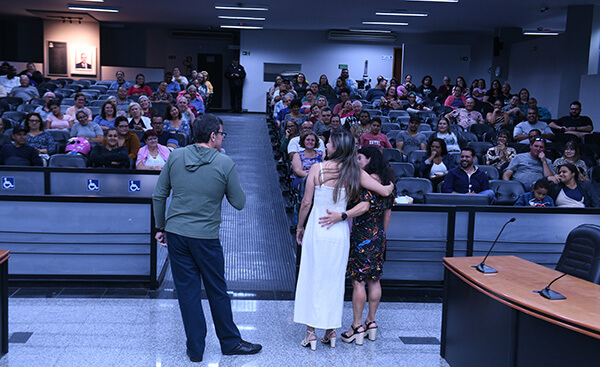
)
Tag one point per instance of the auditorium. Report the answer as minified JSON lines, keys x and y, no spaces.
{"x":407,"y":183}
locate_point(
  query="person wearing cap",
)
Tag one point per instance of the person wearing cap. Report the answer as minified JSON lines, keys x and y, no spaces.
{"x":19,"y":153}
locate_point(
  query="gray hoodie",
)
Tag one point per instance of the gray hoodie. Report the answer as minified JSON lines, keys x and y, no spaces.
{"x":199,"y":178}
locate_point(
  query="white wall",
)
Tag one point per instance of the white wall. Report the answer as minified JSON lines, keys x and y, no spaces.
{"x":86,"y":33}
{"x":437,"y":61}
{"x":536,"y":65}
{"x":590,"y":85}
{"x":436,"y":55}
{"x":313,"y":51}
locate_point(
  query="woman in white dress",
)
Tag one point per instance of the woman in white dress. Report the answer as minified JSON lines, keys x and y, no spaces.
{"x":320,"y":289}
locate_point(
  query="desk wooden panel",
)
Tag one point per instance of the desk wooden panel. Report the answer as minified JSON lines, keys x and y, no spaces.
{"x":4,"y":255}
{"x":517,"y":279}
{"x":497,"y":320}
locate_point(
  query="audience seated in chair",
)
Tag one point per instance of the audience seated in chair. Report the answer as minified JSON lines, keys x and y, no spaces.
{"x":153,"y":155}
{"x":574,"y":124}
{"x":125,"y":137}
{"x":529,"y":167}
{"x":538,"y":196}
{"x":58,"y":120}
{"x":466,"y":116}
{"x":522,"y":130}
{"x":411,"y":139}
{"x":79,"y":104}
{"x":467,"y":179}
{"x":19,"y":152}
{"x":86,"y":129}
{"x":110,"y":155}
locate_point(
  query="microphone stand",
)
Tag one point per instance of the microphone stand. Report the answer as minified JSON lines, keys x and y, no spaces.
{"x":552,"y":295}
{"x":485,"y":268}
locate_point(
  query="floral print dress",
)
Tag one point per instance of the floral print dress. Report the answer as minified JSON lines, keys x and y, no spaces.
{"x":367,"y":240}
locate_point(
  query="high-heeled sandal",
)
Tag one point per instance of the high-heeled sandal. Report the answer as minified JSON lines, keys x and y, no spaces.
{"x":309,"y":341}
{"x":357,"y":336}
{"x":329,"y":338}
{"x":371,"y":331}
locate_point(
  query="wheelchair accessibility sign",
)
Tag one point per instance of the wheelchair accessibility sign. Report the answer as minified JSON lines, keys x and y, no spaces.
{"x":8,"y":183}
{"x":134,"y":186}
{"x":93,"y":184}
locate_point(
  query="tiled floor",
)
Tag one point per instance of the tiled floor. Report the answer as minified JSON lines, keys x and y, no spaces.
{"x":149,"y":332}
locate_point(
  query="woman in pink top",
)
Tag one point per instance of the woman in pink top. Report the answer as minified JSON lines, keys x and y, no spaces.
{"x":152,"y":156}
{"x":57,"y":120}
{"x":79,"y":105}
{"x":375,"y":138}
{"x":456,"y":99}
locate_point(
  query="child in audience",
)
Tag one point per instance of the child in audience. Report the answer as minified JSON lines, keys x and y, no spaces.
{"x":538,"y":196}
{"x":375,"y":138}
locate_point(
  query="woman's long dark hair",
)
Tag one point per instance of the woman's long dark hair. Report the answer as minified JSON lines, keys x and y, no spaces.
{"x":348,"y":172}
{"x":377,"y":164}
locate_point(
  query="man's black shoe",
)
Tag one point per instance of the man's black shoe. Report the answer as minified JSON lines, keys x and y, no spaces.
{"x":244,"y":348}
{"x":193,"y":359}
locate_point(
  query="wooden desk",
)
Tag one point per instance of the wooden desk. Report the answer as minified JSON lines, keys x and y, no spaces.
{"x":4,"y":255}
{"x":497,"y":320}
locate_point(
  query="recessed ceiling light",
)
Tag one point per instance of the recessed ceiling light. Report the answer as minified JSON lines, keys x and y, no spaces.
{"x":93,"y":8}
{"x":232,"y":7}
{"x":385,"y":23}
{"x":540,"y":33}
{"x":240,"y":18}
{"x":437,"y":1}
{"x":241,"y":27}
{"x":370,"y":30}
{"x":402,"y":14}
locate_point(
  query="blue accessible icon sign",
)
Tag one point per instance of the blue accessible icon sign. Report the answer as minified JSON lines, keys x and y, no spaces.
{"x":134,"y":185}
{"x":93,"y":184}
{"x":8,"y":183}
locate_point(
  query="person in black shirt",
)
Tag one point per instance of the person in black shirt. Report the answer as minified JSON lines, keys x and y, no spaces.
{"x":19,"y":153}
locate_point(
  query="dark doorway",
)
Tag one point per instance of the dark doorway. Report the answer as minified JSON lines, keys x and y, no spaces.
{"x":213,"y":64}
{"x":398,"y":64}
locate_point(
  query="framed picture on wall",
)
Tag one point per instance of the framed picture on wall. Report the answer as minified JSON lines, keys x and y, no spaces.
{"x":83,"y":60}
{"x":56,"y":59}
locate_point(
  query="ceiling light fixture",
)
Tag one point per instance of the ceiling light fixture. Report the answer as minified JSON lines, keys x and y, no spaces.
{"x":241,"y":27}
{"x":436,"y":1}
{"x":93,"y":8}
{"x":402,"y":14}
{"x":232,"y":7}
{"x":93,"y":1}
{"x":240,"y":18}
{"x":385,"y":23}
{"x":370,"y":30}
{"x":540,"y":33}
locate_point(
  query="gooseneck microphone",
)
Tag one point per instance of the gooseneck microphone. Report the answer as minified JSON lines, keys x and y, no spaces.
{"x":550,"y":294}
{"x":485,"y":268}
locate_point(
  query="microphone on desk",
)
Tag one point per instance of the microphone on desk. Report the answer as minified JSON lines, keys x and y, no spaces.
{"x":485,"y":268}
{"x":550,"y":294}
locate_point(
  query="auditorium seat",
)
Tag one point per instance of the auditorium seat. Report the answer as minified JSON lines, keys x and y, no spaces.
{"x":402,"y":169}
{"x":67,"y":160}
{"x":506,"y":192}
{"x":393,"y":155}
{"x":389,"y":126}
{"x":480,"y":130}
{"x":491,"y":171}
{"x":456,"y":199}
{"x":414,"y":187}
{"x":416,"y":158}
{"x":581,"y":254}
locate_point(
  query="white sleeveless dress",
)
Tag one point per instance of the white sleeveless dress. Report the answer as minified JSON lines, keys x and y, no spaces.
{"x":320,"y":290}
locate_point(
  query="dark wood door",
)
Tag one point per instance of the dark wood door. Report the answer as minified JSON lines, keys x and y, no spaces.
{"x":213,"y":64}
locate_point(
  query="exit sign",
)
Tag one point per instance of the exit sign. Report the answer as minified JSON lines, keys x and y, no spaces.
{"x":246,"y":53}
{"x":343,"y":66}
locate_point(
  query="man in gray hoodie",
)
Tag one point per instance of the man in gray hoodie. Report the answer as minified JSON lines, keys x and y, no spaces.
{"x":199,"y":176}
